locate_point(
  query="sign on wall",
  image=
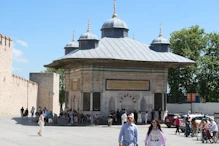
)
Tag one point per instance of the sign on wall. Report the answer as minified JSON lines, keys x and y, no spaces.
{"x":191,"y":97}
{"x":128,"y":85}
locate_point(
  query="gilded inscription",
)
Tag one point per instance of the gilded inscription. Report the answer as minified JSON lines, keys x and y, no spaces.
{"x":128,"y":85}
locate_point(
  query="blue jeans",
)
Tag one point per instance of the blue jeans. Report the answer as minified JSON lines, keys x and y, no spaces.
{"x":188,"y":130}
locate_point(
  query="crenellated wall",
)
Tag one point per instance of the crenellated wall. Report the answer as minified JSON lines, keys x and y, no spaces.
{"x":24,"y":92}
{"x":5,"y":69}
{"x":15,"y":91}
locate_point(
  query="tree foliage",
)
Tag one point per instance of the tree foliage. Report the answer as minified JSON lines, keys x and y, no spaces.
{"x":209,"y":76}
{"x":188,"y":43}
{"x":61,"y":72}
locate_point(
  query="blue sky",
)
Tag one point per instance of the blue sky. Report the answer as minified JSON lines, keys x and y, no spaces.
{"x":40,"y":29}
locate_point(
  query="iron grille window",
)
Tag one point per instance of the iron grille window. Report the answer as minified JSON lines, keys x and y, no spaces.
{"x":96,"y":101}
{"x":86,"y":101}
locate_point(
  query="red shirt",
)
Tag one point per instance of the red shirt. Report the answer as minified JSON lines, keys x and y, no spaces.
{"x":177,"y":122}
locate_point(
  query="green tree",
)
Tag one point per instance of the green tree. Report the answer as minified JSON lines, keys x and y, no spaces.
{"x":208,"y":77}
{"x":61,"y":72}
{"x":188,"y":43}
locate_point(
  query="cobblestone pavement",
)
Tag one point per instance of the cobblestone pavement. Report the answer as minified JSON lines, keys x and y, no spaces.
{"x":17,"y":132}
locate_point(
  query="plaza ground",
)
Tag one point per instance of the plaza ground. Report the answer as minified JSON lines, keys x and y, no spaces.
{"x":17,"y":132}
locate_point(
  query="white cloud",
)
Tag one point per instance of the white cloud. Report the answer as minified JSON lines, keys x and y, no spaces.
{"x":22,"y":43}
{"x":16,"y":69}
{"x":17,"y":55}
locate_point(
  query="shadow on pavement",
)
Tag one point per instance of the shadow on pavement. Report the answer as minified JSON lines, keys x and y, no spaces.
{"x":25,"y":121}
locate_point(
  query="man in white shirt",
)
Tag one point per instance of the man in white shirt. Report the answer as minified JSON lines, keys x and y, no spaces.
{"x":214,"y":128}
{"x":124,"y":118}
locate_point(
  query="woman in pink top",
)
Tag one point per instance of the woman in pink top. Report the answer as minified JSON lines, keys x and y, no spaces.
{"x":155,"y":135}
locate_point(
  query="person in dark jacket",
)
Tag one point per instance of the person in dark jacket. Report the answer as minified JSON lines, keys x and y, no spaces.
{"x":22,"y":111}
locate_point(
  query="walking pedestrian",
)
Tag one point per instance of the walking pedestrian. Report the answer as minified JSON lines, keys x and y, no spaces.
{"x":41,"y":123}
{"x":177,"y":123}
{"x":214,"y":129}
{"x":155,"y":135}
{"x":129,"y":133}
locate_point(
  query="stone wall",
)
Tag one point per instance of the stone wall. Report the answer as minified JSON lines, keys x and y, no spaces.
{"x":23,"y":93}
{"x":16,"y":91}
{"x":93,"y":79}
{"x":48,"y":90}
{"x":5,"y":71}
{"x":206,"y":108}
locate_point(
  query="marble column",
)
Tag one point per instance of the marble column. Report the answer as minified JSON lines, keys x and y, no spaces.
{"x":91,"y":102}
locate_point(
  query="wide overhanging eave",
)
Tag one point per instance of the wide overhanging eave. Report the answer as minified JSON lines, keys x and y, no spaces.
{"x":65,"y":63}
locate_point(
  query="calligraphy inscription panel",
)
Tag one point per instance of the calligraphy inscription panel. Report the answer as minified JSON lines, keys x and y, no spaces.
{"x":128,"y":85}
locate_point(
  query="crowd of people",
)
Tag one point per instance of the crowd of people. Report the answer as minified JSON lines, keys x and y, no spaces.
{"x":203,"y":129}
{"x":141,"y":117}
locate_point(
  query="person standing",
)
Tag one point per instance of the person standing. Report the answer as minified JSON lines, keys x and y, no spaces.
{"x":22,"y":111}
{"x":41,"y":123}
{"x":188,"y":129}
{"x":124,"y":118}
{"x":152,"y":114}
{"x":135,"y":116}
{"x":70,"y":116}
{"x":118,"y":117}
{"x":159,"y":113}
{"x":194,"y":127}
{"x":139,"y":117}
{"x":214,"y":129}
{"x":32,"y":111}
{"x":155,"y":135}
{"x":146,"y":117}
{"x":189,"y":112}
{"x":128,"y":135}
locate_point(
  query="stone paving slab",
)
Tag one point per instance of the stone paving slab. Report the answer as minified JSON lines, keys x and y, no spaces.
{"x":17,"y":132}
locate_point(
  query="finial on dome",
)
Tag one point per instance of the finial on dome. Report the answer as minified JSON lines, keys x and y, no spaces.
{"x":88,"y":29}
{"x":114,"y":14}
{"x":73,"y":36}
{"x":160,"y":30}
{"x":133,"y":36}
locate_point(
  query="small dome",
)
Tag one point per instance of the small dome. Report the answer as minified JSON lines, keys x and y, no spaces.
{"x":160,"y":40}
{"x":88,"y":36}
{"x":72,"y":44}
{"x":115,"y":22}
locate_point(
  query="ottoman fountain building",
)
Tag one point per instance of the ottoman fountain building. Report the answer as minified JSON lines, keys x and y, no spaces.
{"x":116,"y":72}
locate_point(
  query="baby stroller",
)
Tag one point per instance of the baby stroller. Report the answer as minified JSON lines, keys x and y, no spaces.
{"x":206,"y":135}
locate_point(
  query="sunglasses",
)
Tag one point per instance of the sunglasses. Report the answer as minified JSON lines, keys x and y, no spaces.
{"x":130,"y":118}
